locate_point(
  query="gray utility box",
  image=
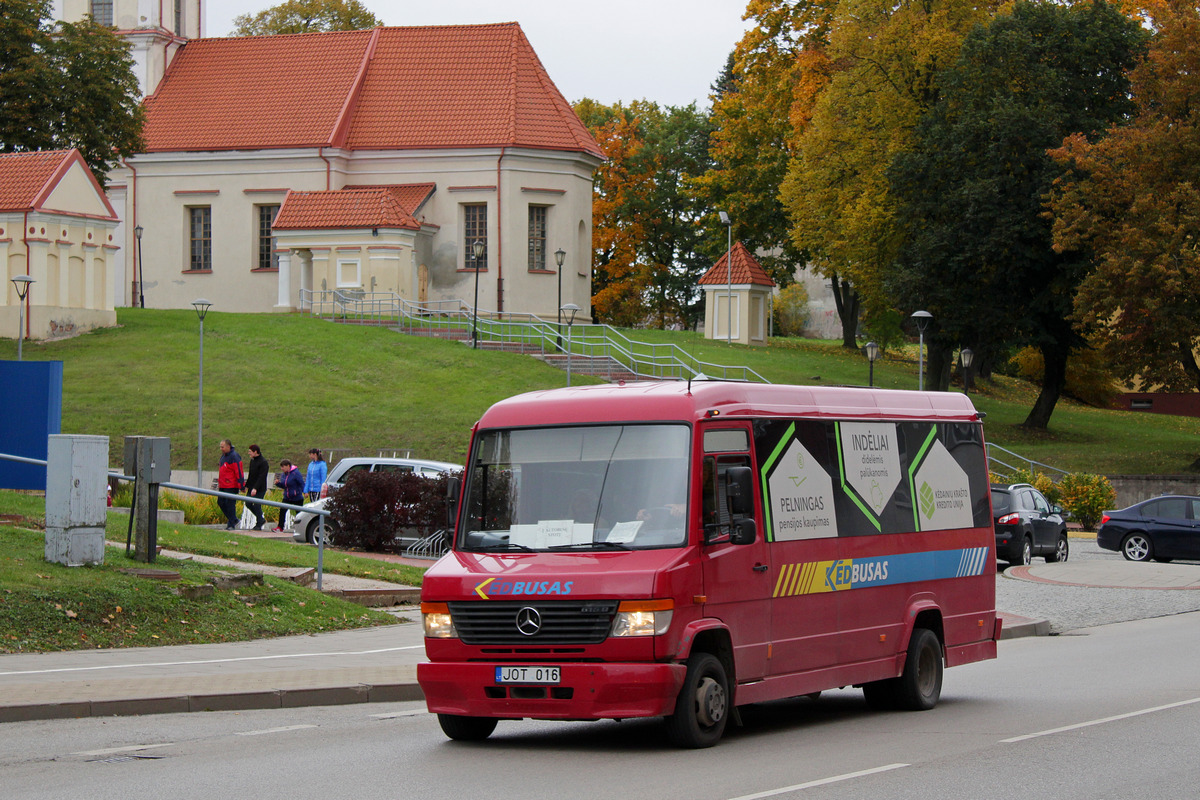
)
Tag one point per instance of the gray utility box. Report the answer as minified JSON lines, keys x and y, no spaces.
{"x":76,"y":499}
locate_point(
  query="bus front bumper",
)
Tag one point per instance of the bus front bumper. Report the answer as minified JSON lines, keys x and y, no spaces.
{"x":584,"y":691}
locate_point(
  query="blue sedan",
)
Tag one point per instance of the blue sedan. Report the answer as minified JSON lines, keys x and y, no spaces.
{"x":1162,"y":529}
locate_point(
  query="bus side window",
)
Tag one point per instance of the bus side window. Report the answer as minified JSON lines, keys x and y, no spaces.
{"x":715,"y":513}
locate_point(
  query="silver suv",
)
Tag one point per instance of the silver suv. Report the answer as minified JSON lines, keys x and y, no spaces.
{"x":304,"y":523}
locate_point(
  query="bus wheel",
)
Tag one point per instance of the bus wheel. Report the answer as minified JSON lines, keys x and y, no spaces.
{"x":466,"y":729}
{"x":703,"y":705}
{"x":920,"y":685}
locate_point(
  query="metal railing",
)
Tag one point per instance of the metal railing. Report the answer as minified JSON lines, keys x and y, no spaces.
{"x":179,"y":487}
{"x":531,"y":333}
{"x":1029,"y":464}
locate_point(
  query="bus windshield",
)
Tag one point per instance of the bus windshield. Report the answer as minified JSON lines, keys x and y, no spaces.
{"x":604,"y":487}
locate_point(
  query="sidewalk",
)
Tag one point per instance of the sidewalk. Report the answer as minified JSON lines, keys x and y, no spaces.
{"x":359,"y":666}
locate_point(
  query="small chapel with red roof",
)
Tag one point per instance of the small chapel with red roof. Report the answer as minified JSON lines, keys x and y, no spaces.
{"x":737,"y":298}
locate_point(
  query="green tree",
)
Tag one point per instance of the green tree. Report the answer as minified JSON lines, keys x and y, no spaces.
{"x":646,"y":235}
{"x":1133,"y":197}
{"x":771,"y":76}
{"x":99,"y":110}
{"x":306,"y":16}
{"x":884,"y":57}
{"x":64,"y":86}
{"x":976,"y":239}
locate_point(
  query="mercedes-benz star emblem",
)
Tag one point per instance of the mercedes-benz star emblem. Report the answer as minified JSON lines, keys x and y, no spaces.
{"x":529,"y":621}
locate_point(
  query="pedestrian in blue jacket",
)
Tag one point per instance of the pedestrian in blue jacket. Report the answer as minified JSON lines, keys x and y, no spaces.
{"x":315,"y":477}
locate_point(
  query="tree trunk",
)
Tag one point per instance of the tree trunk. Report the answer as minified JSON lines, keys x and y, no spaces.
{"x":1053,"y":380}
{"x":938,"y":364}
{"x":846,"y":301}
{"x":1188,"y":360}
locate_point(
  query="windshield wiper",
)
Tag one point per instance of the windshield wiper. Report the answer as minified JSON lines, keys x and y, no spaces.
{"x":591,"y":546}
{"x":493,"y":546}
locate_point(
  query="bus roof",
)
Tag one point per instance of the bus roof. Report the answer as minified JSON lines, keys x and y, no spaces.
{"x":685,"y":401}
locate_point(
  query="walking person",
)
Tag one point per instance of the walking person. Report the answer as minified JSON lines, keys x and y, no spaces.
{"x":292,"y":484}
{"x":315,"y":477}
{"x":231,"y":479}
{"x":256,"y":484}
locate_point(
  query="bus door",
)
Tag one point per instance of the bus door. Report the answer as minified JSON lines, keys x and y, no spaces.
{"x":737,"y":580}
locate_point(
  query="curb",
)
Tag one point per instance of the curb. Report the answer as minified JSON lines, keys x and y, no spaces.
{"x":229,"y":701}
{"x":1017,"y":627}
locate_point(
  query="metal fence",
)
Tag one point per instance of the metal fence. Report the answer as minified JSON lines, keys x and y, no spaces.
{"x":527,"y":332}
{"x":179,"y":487}
{"x":998,"y":466}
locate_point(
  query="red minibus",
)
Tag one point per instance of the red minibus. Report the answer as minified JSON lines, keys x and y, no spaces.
{"x":680,"y":549}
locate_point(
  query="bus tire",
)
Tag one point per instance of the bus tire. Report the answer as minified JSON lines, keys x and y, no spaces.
{"x":920,"y":685}
{"x":703,"y":706}
{"x":466,"y":729}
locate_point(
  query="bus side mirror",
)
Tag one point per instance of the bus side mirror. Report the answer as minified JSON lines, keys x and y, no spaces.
{"x":453,"y":491}
{"x":739,"y":499}
{"x":739,"y":488}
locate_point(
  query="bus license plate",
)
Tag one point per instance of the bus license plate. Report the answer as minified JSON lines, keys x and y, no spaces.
{"x":539,"y":675}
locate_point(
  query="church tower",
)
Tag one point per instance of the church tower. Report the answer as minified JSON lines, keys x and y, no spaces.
{"x":155,"y":28}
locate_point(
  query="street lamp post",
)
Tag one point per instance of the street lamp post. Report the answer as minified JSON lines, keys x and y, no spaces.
{"x":967,"y":356}
{"x":923,"y":319}
{"x":728,"y":276}
{"x":478,"y":249}
{"x":560,"y":256}
{"x":22,"y":283}
{"x":201,"y":307}
{"x":872,"y":352}
{"x":571,"y":310}
{"x":141,"y":267}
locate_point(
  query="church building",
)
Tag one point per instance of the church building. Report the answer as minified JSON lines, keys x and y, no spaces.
{"x":279,"y":168}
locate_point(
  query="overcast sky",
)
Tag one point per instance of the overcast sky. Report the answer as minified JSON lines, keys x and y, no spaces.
{"x":668,"y":51}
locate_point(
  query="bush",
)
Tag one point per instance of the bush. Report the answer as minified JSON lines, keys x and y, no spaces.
{"x":373,"y":508}
{"x":1086,"y":497}
{"x":791,"y":308}
{"x":198,"y":509}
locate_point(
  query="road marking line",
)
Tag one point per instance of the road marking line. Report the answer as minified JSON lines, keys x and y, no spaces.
{"x":820,"y":782}
{"x":210,"y":661}
{"x":416,"y":713}
{"x":1101,"y":721}
{"x":274,"y":730}
{"x":130,"y":749}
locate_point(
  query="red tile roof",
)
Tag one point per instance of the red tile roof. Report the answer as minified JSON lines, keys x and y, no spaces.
{"x":746,"y":269}
{"x":354,"y":207}
{"x":381,"y":89}
{"x":27,"y":179}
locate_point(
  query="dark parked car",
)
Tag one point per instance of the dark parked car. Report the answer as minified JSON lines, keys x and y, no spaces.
{"x":1027,"y":525}
{"x":1161,"y":529}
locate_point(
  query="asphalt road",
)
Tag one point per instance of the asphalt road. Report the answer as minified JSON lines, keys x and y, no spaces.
{"x":1111,"y":712}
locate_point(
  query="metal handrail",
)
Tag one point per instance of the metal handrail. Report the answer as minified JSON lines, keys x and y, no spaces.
{"x":643,"y":359}
{"x":1043,"y":467}
{"x":181,"y":487}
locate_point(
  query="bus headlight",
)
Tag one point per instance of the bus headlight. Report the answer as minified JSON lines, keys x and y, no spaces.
{"x":643,"y":617}
{"x":438,"y":624}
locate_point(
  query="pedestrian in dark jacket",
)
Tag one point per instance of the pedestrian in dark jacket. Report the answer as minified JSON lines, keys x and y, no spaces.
{"x":290,"y":480}
{"x":256,"y":484}
{"x":231,"y":479}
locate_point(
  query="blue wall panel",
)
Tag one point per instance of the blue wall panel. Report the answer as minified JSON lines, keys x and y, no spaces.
{"x":30,"y":411}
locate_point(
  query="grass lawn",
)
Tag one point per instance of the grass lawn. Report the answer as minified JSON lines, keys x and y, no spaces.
{"x":45,"y":606}
{"x":290,"y":382}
